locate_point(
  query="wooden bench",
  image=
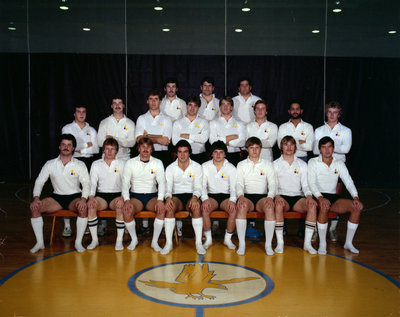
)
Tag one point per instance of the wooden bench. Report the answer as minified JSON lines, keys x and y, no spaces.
{"x":219,"y":214}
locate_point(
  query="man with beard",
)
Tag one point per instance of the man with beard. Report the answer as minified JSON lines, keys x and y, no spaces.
{"x":67,"y":175}
{"x":172,"y":105}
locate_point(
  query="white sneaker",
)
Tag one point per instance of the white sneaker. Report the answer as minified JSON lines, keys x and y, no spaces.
{"x":67,"y":232}
{"x":101,"y":231}
{"x":179,"y":231}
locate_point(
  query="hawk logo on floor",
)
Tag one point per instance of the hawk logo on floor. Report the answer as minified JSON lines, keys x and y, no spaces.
{"x":194,"y":279}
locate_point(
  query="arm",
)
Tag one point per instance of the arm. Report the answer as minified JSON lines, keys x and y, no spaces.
{"x":307,"y":145}
{"x":202,"y":136}
{"x":304,"y":181}
{"x":270,"y":173}
{"x":240,"y":141}
{"x":345,"y":146}
{"x":270,"y":141}
{"x":41,"y":180}
{"x":239,"y":181}
{"x":198,"y":182}
{"x":94,"y":147}
{"x":129,"y":139}
{"x":232,"y":185}
{"x":160,"y":177}
{"x":204,"y":191}
{"x":84,"y":179}
{"x":312,"y":178}
{"x":126,"y":180}
{"x":214,"y":135}
{"x":347,"y":180}
{"x":93,"y":180}
{"x":169,"y":181}
{"x":101,"y":135}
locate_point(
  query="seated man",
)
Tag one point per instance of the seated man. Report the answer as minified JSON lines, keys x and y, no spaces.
{"x":323,"y":174}
{"x":184,"y":179}
{"x":291,"y":176}
{"x":106,"y":177}
{"x":219,"y":192}
{"x":255,"y":188}
{"x":66,"y":174}
{"x":144,"y":176}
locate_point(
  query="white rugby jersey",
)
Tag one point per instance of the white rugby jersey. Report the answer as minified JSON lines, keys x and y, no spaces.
{"x":209,"y":110}
{"x":197,"y":129}
{"x":83,"y":137}
{"x":187,"y":181}
{"x":175,"y":109}
{"x":244,"y":109}
{"x":104,"y":178}
{"x":220,"y":129}
{"x":267,"y":132}
{"x":304,"y":131}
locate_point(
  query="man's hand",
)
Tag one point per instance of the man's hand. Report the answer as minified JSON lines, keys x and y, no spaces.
{"x":128,"y":208}
{"x":89,"y":144}
{"x":324,"y":203}
{"x":232,"y":207}
{"x":36,"y":204}
{"x":119,"y":203}
{"x":163,"y":140}
{"x":358,"y":204}
{"x":185,"y":135}
{"x":230,"y":138}
{"x":241,"y":202}
{"x":159,"y":206}
{"x":269,"y":203}
{"x":169,"y":204}
{"x":206,"y":206}
{"x":302,"y":141}
{"x":194,"y":203}
{"x":310,"y":202}
{"x":81,"y":205}
{"x":92,"y":203}
{"x":279,"y":201}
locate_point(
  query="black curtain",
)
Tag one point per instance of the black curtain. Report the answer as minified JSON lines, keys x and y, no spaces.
{"x":366,"y":87}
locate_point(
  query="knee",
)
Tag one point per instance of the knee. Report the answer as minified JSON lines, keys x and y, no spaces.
{"x":83,"y":214}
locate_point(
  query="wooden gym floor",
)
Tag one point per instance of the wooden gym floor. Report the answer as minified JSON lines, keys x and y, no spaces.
{"x":60,"y":282}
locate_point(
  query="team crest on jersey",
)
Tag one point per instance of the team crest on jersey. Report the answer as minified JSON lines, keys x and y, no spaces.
{"x":152,"y":171}
{"x":234,"y":125}
{"x":213,"y":108}
{"x":116,"y":170}
{"x":266,"y":131}
{"x":337,"y":134}
{"x":72,"y":172}
{"x":197,"y":126}
{"x":191,"y":175}
{"x":302,"y":133}
{"x":296,"y":171}
{"x":262,"y":173}
{"x":204,"y":284}
{"x":160,"y":123}
{"x":178,"y":107}
{"x":336,"y":171}
{"x":125,"y":128}
{"x":223,"y":175}
{"x":88,"y":133}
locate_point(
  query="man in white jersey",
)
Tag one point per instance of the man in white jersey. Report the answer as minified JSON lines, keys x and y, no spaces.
{"x":86,"y":146}
{"x":323,"y":174}
{"x":229,"y":130}
{"x":219,"y":192}
{"x":183,"y":183}
{"x":255,"y":188}
{"x":120,"y":128}
{"x":209,"y":108}
{"x":293,"y":193}
{"x":193,"y":129}
{"x":143,"y":188}
{"x":105,"y":191}
{"x":172,"y":105}
{"x":343,"y":140}
{"x":244,"y":102}
{"x":67,"y":174}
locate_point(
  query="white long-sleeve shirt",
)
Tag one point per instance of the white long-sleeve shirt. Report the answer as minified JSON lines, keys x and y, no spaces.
{"x":220,"y":129}
{"x":219,"y":182}
{"x":267,"y":132}
{"x":258,"y":178}
{"x":197,"y":129}
{"x":340,"y":134}
{"x":304,"y":131}
{"x":323,"y":178}
{"x":123,"y":131}
{"x":83,"y":137}
{"x":291,"y":180}
{"x":158,"y":125}
{"x":65,"y":179}
{"x":175,"y":109}
{"x":187,"y":181}
{"x":143,"y":178}
{"x":244,"y":109}
{"x":209,"y":110}
{"x":104,"y":178}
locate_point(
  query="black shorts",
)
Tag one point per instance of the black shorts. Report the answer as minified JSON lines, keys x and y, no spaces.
{"x":144,"y":198}
{"x":331,"y":197}
{"x":291,"y":200}
{"x":184,"y":198}
{"x":254,"y":198}
{"x":108,"y":197}
{"x":65,"y":200}
{"x":219,"y":198}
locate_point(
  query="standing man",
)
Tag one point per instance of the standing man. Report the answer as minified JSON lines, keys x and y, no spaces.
{"x":184,"y":181}
{"x":105,"y":191}
{"x":193,"y":129}
{"x":293,"y":193}
{"x":323,"y":174}
{"x":209,"y":108}
{"x":255,"y":188}
{"x":343,"y":140}
{"x":245,"y":101}
{"x":229,"y":130}
{"x":67,"y":174}
{"x":143,"y":188}
{"x":86,"y":147}
{"x":219,"y":192}
{"x":263,"y":129}
{"x":172,"y":105}
{"x":119,"y":127}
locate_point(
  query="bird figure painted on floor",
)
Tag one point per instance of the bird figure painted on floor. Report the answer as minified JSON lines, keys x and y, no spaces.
{"x":193,"y":279}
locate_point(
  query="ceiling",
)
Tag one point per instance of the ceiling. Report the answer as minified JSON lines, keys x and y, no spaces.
{"x":203,"y":27}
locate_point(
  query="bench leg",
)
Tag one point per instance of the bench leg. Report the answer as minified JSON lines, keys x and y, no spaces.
{"x":52,"y":230}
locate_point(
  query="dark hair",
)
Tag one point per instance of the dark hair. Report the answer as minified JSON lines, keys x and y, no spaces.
{"x":286,"y":139}
{"x":207,"y":79}
{"x":333,"y":104}
{"x":219,"y":145}
{"x":80,"y":106}
{"x":183,"y":143}
{"x":145,"y":140}
{"x":294,"y":101}
{"x":195,"y":99}
{"x":117,"y":97}
{"x":154,"y":92}
{"x":244,"y":79}
{"x":69,"y":137}
{"x":171,"y":80}
{"x":252,"y":141}
{"x":325,"y":140}
{"x":111,"y":141}
{"x":226,"y":98}
{"x":263,"y":102}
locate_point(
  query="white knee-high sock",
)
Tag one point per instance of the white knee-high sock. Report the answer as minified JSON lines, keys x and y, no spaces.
{"x":310,"y":228}
{"x":157,"y":228}
{"x":93,"y":228}
{"x":169,"y":225}
{"x":197,"y":224}
{"x":351,"y":230}
{"x":131,"y":227}
{"x":269,"y":227}
{"x":120,"y":229}
{"x":67,"y":222}
{"x":241,"y":225}
{"x":81,"y":224}
{"x":37,"y":226}
{"x":322,"y":228}
{"x":334,"y":223}
{"x":279,"y":233}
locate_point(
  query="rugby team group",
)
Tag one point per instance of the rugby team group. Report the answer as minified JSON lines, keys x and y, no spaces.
{"x":218,"y":156}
